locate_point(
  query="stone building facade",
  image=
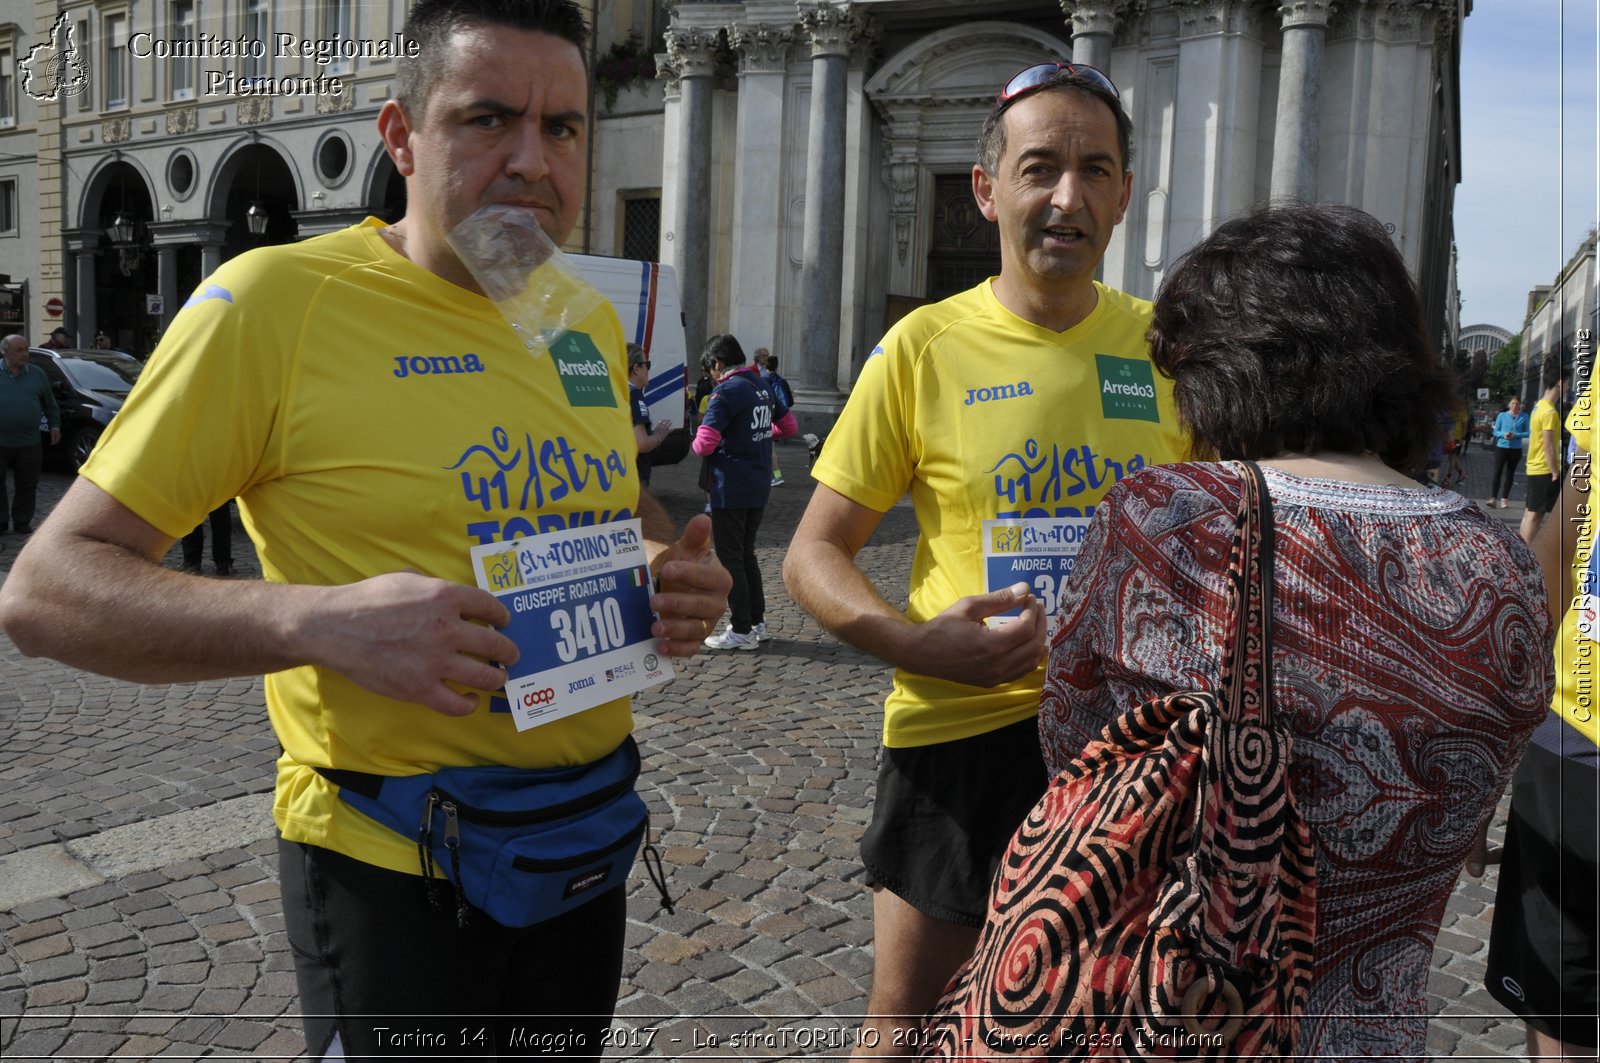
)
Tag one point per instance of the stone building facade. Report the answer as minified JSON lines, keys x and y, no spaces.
{"x":804,"y":166}
{"x":816,"y":157}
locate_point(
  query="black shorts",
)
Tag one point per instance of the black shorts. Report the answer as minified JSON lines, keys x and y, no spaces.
{"x":943,"y":815}
{"x":1542,"y":946}
{"x":1542,"y":493}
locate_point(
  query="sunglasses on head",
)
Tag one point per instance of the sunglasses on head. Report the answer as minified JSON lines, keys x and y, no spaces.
{"x":1025,"y":81}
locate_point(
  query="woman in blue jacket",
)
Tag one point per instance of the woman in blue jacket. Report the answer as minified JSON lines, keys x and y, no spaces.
{"x":741,"y":420}
{"x":1510,"y":433}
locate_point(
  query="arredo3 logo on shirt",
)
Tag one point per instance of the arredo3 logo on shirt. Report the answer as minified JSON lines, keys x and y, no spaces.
{"x":1127,"y":389}
{"x":583,"y":372}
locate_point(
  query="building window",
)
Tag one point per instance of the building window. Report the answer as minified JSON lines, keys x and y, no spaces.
{"x":181,"y":29}
{"x":641,"y":228}
{"x":8,"y":207}
{"x":254,"y":23}
{"x":8,"y":88}
{"x":116,"y":65}
{"x":85,"y":99}
{"x":338,"y":24}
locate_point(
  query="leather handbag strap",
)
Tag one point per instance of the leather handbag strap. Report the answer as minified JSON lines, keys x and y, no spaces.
{"x":1247,"y":648}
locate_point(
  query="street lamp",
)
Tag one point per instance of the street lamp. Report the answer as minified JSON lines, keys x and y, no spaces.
{"x":123,"y":231}
{"x":121,"y":228}
{"x":256,"y":218}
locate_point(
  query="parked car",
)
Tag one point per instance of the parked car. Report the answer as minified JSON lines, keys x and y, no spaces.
{"x":90,"y":387}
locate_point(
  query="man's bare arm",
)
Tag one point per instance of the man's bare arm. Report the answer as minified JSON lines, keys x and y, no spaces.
{"x":88,"y":590}
{"x":1555,"y":545}
{"x":821,"y":574}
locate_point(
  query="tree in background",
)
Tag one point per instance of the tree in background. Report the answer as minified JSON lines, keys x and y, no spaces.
{"x":1502,"y":379}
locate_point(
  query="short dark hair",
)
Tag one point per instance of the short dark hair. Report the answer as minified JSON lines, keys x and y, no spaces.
{"x":992,"y":137}
{"x":59,"y":331}
{"x":772,"y":362}
{"x":432,"y":22}
{"x":1297,"y":329}
{"x":1551,"y":371}
{"x":725,"y":349}
{"x":636,"y":356}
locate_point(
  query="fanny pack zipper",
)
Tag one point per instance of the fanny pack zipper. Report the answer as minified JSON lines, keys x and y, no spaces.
{"x":530,"y":863}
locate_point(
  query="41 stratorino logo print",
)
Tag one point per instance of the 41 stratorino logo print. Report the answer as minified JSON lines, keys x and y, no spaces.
{"x":55,"y":68}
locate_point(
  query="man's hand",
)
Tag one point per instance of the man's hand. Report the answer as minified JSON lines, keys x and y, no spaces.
{"x":958,"y":646}
{"x":408,"y":637}
{"x":694,"y":590}
{"x":55,"y":436}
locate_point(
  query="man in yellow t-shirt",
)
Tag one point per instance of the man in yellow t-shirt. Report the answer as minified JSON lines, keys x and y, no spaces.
{"x":1025,"y":398}
{"x":377,"y":417}
{"x":1544,"y":452}
{"x":1544,"y":946}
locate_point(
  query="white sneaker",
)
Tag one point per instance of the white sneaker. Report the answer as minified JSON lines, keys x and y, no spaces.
{"x":729,"y":639}
{"x":760,"y":632}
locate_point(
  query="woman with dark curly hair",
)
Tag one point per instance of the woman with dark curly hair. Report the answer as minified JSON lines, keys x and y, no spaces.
{"x":1411,"y":639}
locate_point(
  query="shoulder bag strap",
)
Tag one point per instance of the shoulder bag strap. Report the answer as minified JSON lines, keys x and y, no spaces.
{"x":1247,"y":647}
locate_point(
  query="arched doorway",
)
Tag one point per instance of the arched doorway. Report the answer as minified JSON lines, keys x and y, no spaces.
{"x":124,"y":261}
{"x":256,"y":190}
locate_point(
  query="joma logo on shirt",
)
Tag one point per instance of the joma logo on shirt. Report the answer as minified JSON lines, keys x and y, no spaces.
{"x":1004,"y":391}
{"x":417,"y":365}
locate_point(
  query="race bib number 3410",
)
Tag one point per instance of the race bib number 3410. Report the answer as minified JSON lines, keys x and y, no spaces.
{"x":580,"y":613}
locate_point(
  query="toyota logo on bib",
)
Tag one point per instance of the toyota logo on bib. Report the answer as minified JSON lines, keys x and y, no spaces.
{"x":538,"y":697}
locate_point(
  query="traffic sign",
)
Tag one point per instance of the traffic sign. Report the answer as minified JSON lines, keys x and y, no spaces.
{"x":55,"y":307}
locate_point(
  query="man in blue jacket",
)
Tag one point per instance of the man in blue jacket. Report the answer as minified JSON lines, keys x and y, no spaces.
{"x":25,"y":400}
{"x":736,"y":436}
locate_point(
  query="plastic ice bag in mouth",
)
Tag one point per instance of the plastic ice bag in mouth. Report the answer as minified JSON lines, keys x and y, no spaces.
{"x":536,"y":288}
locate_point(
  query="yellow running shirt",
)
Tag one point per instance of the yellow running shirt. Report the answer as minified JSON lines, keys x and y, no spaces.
{"x":1578,"y":638}
{"x":1545,"y":418}
{"x":981,"y":414}
{"x":372,"y":417}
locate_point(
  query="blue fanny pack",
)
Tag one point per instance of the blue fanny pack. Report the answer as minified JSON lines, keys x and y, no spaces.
{"x":521,"y":845}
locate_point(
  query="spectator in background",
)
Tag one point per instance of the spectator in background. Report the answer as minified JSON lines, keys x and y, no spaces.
{"x":59,"y":339}
{"x":781,"y":392}
{"x":647,"y":436}
{"x":102,"y":342}
{"x":736,"y":439}
{"x":194,"y":544}
{"x":25,"y":400}
{"x":1510,"y":432}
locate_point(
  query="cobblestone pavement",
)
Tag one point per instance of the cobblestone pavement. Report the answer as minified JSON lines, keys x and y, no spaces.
{"x":760,"y":769}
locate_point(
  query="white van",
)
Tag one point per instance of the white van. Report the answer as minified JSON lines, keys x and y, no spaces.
{"x":646,"y":297}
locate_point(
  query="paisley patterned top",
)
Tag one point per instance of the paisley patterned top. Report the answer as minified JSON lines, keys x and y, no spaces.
{"x":1412,"y":663}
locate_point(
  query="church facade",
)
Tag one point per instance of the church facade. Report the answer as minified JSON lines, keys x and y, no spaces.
{"x":815,"y":158}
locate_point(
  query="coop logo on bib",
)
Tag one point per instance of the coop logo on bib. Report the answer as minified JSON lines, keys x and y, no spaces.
{"x":583,"y":371}
{"x":1127,"y":389}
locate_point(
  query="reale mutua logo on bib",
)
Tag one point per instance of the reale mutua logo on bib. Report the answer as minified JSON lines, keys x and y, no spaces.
{"x":1127,"y":389}
{"x":583,"y":371}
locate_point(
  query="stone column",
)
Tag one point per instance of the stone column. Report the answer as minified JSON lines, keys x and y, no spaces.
{"x":832,"y":29}
{"x":692,"y":53}
{"x":167,"y":282}
{"x":1093,"y":24}
{"x":1294,"y":141}
{"x":758,"y":208}
{"x":81,"y":318}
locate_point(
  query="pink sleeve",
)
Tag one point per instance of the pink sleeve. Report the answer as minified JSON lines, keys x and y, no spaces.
{"x":706,"y":441}
{"x":786,"y":426}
